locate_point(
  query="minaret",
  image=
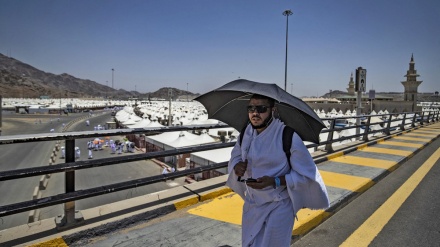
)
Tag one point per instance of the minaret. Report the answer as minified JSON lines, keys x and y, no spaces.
{"x":351,"y":88}
{"x":411,"y":84}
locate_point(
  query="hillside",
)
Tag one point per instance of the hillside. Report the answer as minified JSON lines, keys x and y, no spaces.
{"x":20,"y":80}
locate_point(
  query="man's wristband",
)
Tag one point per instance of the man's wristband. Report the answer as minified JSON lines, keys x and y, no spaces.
{"x":277,"y":182}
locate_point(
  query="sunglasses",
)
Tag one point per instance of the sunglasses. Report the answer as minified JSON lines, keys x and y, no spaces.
{"x":258,"y":108}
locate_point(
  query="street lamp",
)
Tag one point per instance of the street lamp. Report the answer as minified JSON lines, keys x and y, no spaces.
{"x":286,"y":13}
{"x":113,"y":70}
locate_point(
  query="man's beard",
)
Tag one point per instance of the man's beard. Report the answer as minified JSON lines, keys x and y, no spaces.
{"x":265,"y":123}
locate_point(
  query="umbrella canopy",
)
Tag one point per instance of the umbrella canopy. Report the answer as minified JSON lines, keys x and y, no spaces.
{"x":228,"y":104}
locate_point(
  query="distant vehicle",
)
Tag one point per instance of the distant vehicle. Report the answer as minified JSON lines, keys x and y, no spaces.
{"x":340,"y":123}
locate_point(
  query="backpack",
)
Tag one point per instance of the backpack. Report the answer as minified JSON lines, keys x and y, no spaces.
{"x":287,"y":140}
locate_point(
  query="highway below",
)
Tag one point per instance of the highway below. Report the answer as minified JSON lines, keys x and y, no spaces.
{"x":95,"y":177}
{"x":25,"y":155}
{"x":16,"y":156}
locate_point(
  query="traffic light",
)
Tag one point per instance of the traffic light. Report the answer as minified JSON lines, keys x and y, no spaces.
{"x":361,"y":80}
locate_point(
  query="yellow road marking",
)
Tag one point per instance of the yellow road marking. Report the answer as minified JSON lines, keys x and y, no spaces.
{"x":386,"y":151}
{"x":365,"y":234}
{"x":187,"y":202}
{"x":229,"y":208}
{"x":347,"y":182}
{"x":421,"y":134}
{"x":308,"y":219}
{"x":403,"y":144}
{"x":428,"y":130}
{"x":335,"y":155}
{"x":361,"y":161}
{"x":59,"y":242}
{"x":412,"y":138}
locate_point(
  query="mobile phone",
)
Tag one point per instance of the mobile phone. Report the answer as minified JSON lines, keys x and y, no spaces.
{"x":251,"y":180}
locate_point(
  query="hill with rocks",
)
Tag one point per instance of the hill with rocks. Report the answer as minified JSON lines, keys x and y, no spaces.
{"x":21,"y":80}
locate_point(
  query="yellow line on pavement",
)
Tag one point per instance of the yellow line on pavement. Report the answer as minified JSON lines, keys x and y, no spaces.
{"x":402,"y":144}
{"x":347,"y":182}
{"x":412,"y":138}
{"x":421,"y":134}
{"x":229,"y":208}
{"x":426,"y":131}
{"x":386,"y":151}
{"x":361,"y":161}
{"x":226,"y":208}
{"x":186,"y":202}
{"x":307,"y":219}
{"x":335,"y":155}
{"x":58,"y":242}
{"x":365,"y":234}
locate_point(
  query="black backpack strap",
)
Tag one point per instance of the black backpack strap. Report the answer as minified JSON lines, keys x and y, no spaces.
{"x":242,"y":134}
{"x":287,"y":141}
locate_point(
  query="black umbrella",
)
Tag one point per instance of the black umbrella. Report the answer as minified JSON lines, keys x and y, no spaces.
{"x":228,"y":104}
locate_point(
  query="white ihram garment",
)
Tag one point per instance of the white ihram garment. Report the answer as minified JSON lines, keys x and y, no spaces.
{"x":265,"y":222}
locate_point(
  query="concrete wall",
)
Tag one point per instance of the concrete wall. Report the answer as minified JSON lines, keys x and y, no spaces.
{"x":390,"y":106}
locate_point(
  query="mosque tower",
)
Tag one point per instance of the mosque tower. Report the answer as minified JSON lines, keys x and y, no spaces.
{"x":411,"y":84}
{"x":351,"y":88}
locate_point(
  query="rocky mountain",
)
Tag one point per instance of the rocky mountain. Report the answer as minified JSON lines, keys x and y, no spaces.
{"x":21,"y":80}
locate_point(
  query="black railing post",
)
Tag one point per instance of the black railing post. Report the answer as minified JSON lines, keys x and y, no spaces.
{"x":69,"y":217}
{"x":367,"y":128}
{"x":387,"y":129}
{"x":402,"y":125}
{"x":69,"y":207}
{"x":413,"y":124}
{"x":421,"y":118}
{"x":328,"y":146}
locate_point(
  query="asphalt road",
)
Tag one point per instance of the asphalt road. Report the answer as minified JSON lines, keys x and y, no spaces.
{"x":16,"y":156}
{"x":96,"y":177}
{"x":25,"y":155}
{"x":383,"y":216}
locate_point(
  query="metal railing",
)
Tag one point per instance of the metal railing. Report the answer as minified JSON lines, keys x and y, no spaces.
{"x":388,"y":124}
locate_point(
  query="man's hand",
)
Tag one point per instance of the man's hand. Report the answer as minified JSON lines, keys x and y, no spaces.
{"x":262,"y":182}
{"x":240,"y":168}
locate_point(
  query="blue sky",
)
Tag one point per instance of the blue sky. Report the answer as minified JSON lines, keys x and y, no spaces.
{"x":203,"y":44}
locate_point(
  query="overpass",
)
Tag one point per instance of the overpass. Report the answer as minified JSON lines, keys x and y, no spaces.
{"x":207,"y":212}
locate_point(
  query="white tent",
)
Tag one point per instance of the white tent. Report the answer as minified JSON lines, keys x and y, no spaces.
{"x":141,"y":124}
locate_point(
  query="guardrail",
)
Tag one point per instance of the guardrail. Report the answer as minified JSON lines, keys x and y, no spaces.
{"x":388,"y":124}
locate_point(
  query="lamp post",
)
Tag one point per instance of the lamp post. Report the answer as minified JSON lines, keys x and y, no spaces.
{"x":286,"y":13}
{"x":113,"y":70}
{"x":187,"y":92}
